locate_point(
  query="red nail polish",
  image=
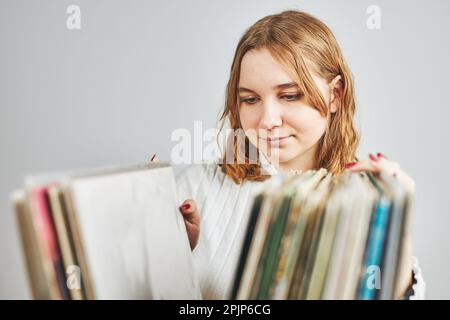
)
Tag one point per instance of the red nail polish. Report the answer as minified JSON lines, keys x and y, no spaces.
{"x":372,"y":157}
{"x":186,"y":206}
{"x":379,"y":155}
{"x":350,"y":164}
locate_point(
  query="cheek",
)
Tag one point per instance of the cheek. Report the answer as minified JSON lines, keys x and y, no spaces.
{"x":250,"y":121}
{"x":307,"y":122}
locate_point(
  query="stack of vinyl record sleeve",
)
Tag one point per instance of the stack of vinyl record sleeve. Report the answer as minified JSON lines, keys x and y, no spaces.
{"x":314,"y":235}
{"x":105,"y":233}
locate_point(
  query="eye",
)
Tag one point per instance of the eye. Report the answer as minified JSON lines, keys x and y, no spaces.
{"x":291,"y":97}
{"x":250,"y":100}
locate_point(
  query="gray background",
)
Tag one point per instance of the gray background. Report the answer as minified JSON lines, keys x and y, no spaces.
{"x":112,"y":93}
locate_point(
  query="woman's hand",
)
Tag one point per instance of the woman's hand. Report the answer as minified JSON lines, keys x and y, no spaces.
{"x":381,"y":164}
{"x":191,"y":217}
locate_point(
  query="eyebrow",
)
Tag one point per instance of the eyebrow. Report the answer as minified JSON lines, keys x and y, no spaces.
{"x":280,"y":86}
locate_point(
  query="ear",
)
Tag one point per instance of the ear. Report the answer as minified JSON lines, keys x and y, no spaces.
{"x":337,"y":89}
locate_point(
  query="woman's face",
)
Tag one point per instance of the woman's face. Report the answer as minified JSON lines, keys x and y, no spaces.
{"x":274,"y":108}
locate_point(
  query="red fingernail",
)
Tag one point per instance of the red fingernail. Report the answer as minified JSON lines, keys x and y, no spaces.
{"x":379,"y":155}
{"x":372,"y":157}
{"x":153,"y":157}
{"x":350,"y":164}
{"x":185,"y":206}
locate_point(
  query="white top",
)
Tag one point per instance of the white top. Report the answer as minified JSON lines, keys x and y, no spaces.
{"x":224,"y":208}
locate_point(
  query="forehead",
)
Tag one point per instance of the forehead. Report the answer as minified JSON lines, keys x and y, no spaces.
{"x":259,"y":69}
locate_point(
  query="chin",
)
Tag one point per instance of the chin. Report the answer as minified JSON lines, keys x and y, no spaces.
{"x":280,"y":156}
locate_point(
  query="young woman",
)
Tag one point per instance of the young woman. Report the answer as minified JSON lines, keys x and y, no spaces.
{"x":291,"y":87}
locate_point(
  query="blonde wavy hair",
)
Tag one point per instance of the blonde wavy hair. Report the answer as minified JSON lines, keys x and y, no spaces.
{"x":298,"y":41}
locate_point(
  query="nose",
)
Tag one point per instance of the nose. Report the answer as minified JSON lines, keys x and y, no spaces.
{"x":271,"y":117}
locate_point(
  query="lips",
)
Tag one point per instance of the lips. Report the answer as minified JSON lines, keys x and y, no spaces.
{"x":276,"y":142}
{"x":275,"y":139}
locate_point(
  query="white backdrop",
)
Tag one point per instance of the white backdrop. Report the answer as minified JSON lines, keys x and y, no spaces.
{"x":113,"y":91}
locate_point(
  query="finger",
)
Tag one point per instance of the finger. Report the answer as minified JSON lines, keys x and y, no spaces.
{"x":363,"y":165}
{"x":375,"y":164}
{"x":154,"y":158}
{"x":188,"y":206}
{"x":381,"y":164}
{"x":190,"y":211}
{"x":380,"y":155}
{"x":393,"y":168}
{"x":386,"y":166}
{"x":191,"y":218}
